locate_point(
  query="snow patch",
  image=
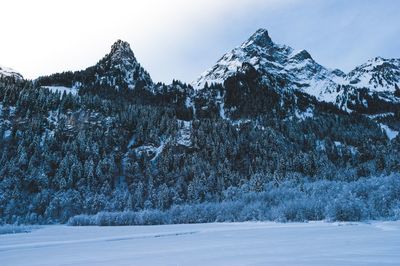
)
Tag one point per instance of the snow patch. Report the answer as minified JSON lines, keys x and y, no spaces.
{"x":390,"y":133}
{"x":308,"y":113}
{"x":184,"y":133}
{"x":159,"y":150}
{"x":338,"y":143}
{"x":221,"y":103}
{"x":382,"y":115}
{"x":62,"y":89}
{"x":7,"y":134}
{"x":132,"y":142}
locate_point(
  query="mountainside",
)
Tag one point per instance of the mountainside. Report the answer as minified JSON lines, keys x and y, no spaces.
{"x":121,"y":63}
{"x":118,"y":69}
{"x":287,"y":69}
{"x":9,"y":72}
{"x":378,"y":74}
{"x":108,"y":138}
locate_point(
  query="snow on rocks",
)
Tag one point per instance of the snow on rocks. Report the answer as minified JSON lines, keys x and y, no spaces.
{"x":300,"y":71}
{"x":9,"y":72}
{"x":378,"y":74}
{"x":184,"y":137}
{"x":62,"y":89}
{"x":390,"y":133}
{"x":308,"y":113}
{"x":297,"y":67}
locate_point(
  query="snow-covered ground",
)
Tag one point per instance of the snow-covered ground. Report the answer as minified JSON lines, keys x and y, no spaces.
{"x":62,"y":89}
{"x":252,"y":243}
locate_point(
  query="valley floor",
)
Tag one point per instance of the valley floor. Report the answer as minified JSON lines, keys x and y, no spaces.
{"x":251,"y":243}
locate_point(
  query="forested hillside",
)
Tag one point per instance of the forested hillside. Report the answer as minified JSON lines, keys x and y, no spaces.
{"x":124,"y":143}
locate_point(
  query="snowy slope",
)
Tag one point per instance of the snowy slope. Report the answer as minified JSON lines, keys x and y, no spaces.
{"x":253,"y":243}
{"x":184,"y":133}
{"x":62,"y":89}
{"x":117,"y":69}
{"x":9,"y":72}
{"x":285,"y":68}
{"x":121,"y":63}
{"x":390,"y":133}
{"x":293,"y":69}
{"x":378,"y":74}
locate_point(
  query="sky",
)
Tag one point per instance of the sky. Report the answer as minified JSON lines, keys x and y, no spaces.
{"x":180,"y":39}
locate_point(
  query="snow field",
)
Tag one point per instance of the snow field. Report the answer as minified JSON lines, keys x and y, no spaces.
{"x":250,"y":243}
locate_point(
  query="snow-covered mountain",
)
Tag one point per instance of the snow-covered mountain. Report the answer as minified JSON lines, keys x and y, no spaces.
{"x":285,"y":68}
{"x":118,"y":69}
{"x":109,"y":139}
{"x":369,"y":89}
{"x":378,"y":74}
{"x":9,"y":72}
{"x":121,"y":63}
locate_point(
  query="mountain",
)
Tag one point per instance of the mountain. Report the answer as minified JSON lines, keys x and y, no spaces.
{"x":286,"y":69}
{"x":372,"y":89}
{"x":108,"y":138}
{"x":378,"y":74}
{"x":121,"y":63}
{"x":118,"y":69}
{"x":9,"y":72}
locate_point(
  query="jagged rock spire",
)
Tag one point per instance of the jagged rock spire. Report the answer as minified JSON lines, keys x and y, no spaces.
{"x":121,"y":50}
{"x":260,"y":38}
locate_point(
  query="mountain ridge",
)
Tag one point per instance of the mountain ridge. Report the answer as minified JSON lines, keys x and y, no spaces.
{"x":9,"y":72}
{"x":119,"y":142}
{"x":369,"y":89}
{"x":119,"y":69}
{"x":300,"y":71}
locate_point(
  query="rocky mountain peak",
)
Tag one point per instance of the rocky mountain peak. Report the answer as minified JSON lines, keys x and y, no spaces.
{"x":9,"y":72}
{"x":121,"y":63}
{"x":118,"y":69}
{"x":259,"y":38}
{"x":281,"y":63}
{"x":379,"y":74}
{"x":302,"y":55}
{"x":121,"y":50}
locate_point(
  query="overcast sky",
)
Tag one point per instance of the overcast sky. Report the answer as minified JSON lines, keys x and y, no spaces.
{"x":182,"y":38}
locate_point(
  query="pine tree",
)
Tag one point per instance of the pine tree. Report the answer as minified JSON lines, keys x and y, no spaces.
{"x":396,"y":90}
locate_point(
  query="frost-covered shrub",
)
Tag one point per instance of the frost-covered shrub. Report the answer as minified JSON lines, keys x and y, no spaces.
{"x":232,"y":193}
{"x":384,"y":194}
{"x":396,"y":211}
{"x":14,"y":229}
{"x":372,"y":198}
{"x":103,"y":219}
{"x":251,"y":212}
{"x":81,"y":220}
{"x":151,"y":217}
{"x":299,"y":210}
{"x":346,"y":209}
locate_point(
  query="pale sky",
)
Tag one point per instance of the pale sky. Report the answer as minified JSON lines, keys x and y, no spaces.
{"x":182,"y":38}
